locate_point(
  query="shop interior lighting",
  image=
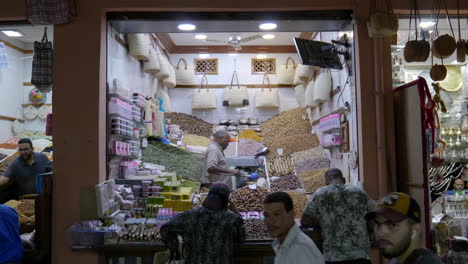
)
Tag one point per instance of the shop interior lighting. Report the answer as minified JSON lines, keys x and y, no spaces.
{"x":203,"y":56}
{"x":12,"y":33}
{"x":261,"y":56}
{"x":269,"y":36}
{"x":201,"y":36}
{"x":267,"y":26}
{"x":233,"y":54}
{"x":426,"y":24}
{"x":187,"y":27}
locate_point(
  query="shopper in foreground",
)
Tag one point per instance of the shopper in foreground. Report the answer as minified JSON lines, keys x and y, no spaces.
{"x":340,"y":209}
{"x":11,"y":247}
{"x":209,"y":232}
{"x":291,"y":246}
{"x":397,"y":228}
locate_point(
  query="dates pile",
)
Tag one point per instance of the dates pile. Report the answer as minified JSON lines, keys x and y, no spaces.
{"x":248,"y":200}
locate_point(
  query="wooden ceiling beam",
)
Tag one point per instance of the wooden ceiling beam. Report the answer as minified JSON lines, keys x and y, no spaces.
{"x":229,"y":49}
{"x":166,"y":41}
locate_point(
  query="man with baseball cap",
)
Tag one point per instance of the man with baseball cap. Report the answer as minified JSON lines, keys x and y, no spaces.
{"x":397,"y":228}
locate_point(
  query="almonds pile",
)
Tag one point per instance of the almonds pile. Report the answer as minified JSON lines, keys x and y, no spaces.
{"x":291,"y":144}
{"x":286,"y":123}
{"x":313,"y":179}
{"x":248,"y":200}
{"x":191,"y":124}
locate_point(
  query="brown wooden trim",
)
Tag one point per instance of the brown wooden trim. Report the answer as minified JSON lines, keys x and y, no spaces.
{"x":17,"y":48}
{"x":9,"y":118}
{"x":122,"y":42}
{"x":229,"y":49}
{"x":27,"y":84}
{"x":166,"y":41}
{"x":211,"y":86}
{"x":37,"y":105}
{"x":306,"y":35}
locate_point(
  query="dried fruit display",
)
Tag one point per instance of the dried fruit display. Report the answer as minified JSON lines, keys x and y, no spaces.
{"x":312,"y":164}
{"x":291,"y":144}
{"x":26,"y":207}
{"x":313,"y":180}
{"x":300,"y":202}
{"x":285,"y":183}
{"x":307,"y":154}
{"x":248,"y":200}
{"x":191,"y":124}
{"x":286,"y":123}
{"x":6,"y":162}
{"x":141,"y":232}
{"x":248,"y":147}
{"x":195,"y":140}
{"x":255,"y":229}
{"x":280,"y":166}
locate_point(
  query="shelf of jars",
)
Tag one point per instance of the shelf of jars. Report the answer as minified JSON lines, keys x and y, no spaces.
{"x":454,"y":131}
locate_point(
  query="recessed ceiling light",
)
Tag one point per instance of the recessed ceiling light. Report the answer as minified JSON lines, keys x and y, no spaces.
{"x":261,"y":56}
{"x":200,"y":36}
{"x":426,"y":24}
{"x":268,"y":26}
{"x":12,"y":33}
{"x":269,"y":36}
{"x":203,"y":56}
{"x":187,"y":27}
{"x":233,"y":54}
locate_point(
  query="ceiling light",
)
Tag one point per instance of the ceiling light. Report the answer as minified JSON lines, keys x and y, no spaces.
{"x":261,"y":56}
{"x":233,"y":54}
{"x":201,"y":36}
{"x":426,"y":24}
{"x":269,"y":36}
{"x":268,"y":26}
{"x":203,"y":56}
{"x":12,"y":33}
{"x":187,"y":27}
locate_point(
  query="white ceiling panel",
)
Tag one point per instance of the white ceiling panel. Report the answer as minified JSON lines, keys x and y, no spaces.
{"x":188,"y":39}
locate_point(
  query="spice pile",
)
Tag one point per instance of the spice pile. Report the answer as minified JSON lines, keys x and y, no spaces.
{"x":300,"y":202}
{"x":191,"y":124}
{"x":255,"y":229}
{"x":280,"y":166}
{"x":184,"y":163}
{"x":286,"y":123}
{"x":250,"y":134}
{"x":308,"y":154}
{"x":313,"y":180}
{"x":312,"y":164}
{"x":248,"y":200}
{"x":248,"y":147}
{"x":285,"y":183}
{"x":291,"y":144}
{"x":194,"y":140}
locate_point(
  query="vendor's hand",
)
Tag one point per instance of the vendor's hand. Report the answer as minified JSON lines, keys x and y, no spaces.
{"x":237,"y":173}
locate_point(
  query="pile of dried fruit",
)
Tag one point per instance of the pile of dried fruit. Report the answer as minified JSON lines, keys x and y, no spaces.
{"x":247,"y":199}
{"x":308,"y":154}
{"x":280,"y":166}
{"x":291,"y":144}
{"x":231,"y":150}
{"x":300,"y":202}
{"x":313,"y":180}
{"x":191,"y":124}
{"x":255,"y":229}
{"x":141,"y":232}
{"x":312,"y":164}
{"x":195,"y":140}
{"x":248,"y":147}
{"x":250,"y":134}
{"x":286,"y":123}
{"x":285,"y":183}
{"x":6,"y":162}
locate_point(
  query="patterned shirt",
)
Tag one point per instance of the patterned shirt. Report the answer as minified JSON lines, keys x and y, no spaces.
{"x":208,"y":235}
{"x":341,"y":210}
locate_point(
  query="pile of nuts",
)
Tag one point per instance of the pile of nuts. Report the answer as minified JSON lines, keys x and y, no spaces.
{"x":313,"y":179}
{"x":280,"y":166}
{"x":285,"y":183}
{"x":300,"y":202}
{"x":308,"y":154}
{"x":248,"y":147}
{"x":248,"y":200}
{"x":6,"y":162}
{"x":291,"y":144}
{"x":313,"y":164}
{"x":255,"y":229}
{"x":286,"y":123}
{"x":191,"y":124}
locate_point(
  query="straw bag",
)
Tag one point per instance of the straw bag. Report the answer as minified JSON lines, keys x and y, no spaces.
{"x":323,"y":87}
{"x":235,"y":95}
{"x":309,"y":95}
{"x":184,"y":74}
{"x":416,"y":50}
{"x":382,"y":23}
{"x":164,"y":70}
{"x":303,"y":73}
{"x":151,"y":65}
{"x":286,"y":72}
{"x":138,"y":45}
{"x":266,"y":98}
{"x":162,"y":93}
{"x":443,"y":46}
{"x":170,"y":81}
{"x":299,"y":93}
{"x":204,"y":98}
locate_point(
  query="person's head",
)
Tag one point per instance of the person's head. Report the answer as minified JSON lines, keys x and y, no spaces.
{"x":334,"y":176}
{"x":222,"y":138}
{"x":279,"y":213}
{"x":25,"y":148}
{"x":397,"y":228}
{"x":459,"y":184}
{"x":218,"y":197}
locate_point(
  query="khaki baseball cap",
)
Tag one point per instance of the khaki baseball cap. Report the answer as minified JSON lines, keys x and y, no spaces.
{"x":397,"y":207}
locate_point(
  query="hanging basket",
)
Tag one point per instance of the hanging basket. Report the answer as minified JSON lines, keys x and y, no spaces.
{"x":438,"y":72}
{"x":444,"y":46}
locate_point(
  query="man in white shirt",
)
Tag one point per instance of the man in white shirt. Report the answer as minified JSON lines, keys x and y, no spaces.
{"x":291,"y":245}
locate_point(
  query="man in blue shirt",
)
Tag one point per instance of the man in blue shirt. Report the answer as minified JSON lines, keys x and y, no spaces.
{"x":11,"y":247}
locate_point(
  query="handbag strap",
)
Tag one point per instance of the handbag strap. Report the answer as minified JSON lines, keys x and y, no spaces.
{"x":44,"y":37}
{"x":234,"y":75}
{"x":265,"y":78}
{"x":448,"y":19}
{"x":292,"y":60}
{"x":184,"y":61}
{"x":458,"y":18}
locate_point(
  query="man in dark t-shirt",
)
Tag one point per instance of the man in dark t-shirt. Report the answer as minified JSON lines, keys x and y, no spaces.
{"x":397,"y":227}
{"x":22,"y":172}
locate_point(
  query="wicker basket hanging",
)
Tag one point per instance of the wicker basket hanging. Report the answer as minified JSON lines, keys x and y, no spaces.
{"x":416,"y":50}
